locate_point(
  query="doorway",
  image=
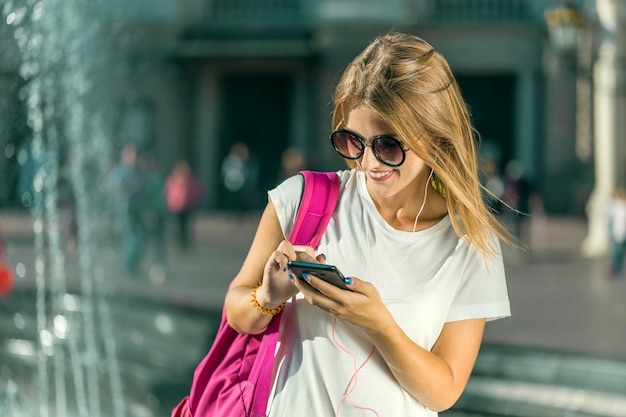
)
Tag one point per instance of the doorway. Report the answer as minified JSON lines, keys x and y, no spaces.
{"x":491,"y":101}
{"x":255,"y":111}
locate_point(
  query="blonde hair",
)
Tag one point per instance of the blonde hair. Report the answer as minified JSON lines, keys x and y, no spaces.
{"x":411,"y":87}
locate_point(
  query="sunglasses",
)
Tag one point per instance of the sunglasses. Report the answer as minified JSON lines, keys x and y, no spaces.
{"x":387,"y":149}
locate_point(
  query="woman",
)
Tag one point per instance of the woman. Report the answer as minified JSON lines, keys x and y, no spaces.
{"x":411,"y":233}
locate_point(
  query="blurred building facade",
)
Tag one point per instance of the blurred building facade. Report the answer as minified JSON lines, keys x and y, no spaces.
{"x":206,"y":74}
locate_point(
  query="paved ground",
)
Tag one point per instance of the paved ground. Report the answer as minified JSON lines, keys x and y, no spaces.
{"x":559,"y":299}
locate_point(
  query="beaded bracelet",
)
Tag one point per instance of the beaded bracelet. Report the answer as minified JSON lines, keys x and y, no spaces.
{"x":262,"y":309}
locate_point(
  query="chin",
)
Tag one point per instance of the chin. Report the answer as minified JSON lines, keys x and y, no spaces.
{"x":384,"y":189}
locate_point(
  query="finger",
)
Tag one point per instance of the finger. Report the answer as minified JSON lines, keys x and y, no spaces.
{"x":320,"y":294}
{"x":279,"y":259}
{"x":350,"y":282}
{"x":305,"y":288}
{"x":305,"y":249}
{"x":321,"y":258}
{"x":333,"y":291}
{"x":305,"y":256}
{"x":329,"y":290}
{"x":355,"y":284}
{"x":288,"y":249}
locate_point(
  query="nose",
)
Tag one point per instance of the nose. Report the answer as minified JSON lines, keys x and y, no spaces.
{"x":369,"y":159}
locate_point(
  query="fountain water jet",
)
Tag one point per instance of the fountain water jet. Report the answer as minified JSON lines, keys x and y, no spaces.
{"x":64,"y":61}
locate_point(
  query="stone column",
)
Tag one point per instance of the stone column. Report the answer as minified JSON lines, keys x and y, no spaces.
{"x":205,"y":140}
{"x":526,"y":120}
{"x":299,"y":135}
{"x":609,"y":77}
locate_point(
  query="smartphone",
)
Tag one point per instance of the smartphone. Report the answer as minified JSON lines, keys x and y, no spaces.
{"x":328,"y":273}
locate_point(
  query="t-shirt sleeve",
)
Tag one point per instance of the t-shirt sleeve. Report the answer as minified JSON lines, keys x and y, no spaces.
{"x":286,"y":199}
{"x":482,"y":291}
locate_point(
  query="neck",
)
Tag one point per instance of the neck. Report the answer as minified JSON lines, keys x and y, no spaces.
{"x":417,"y":207}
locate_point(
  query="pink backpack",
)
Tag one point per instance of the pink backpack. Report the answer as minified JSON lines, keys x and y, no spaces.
{"x":235,"y":378}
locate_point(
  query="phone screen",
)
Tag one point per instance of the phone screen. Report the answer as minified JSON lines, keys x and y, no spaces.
{"x":328,"y":273}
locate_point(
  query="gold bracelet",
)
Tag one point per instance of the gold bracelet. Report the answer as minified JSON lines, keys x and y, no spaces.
{"x":262,"y":309}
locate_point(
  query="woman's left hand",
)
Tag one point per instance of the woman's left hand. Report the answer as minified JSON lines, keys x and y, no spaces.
{"x":437,"y":377}
{"x":361,"y":305}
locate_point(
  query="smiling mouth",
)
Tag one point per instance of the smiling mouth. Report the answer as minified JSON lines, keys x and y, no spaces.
{"x":380,"y":175}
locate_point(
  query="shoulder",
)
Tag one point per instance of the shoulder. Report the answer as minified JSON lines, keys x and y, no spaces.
{"x":289,"y":187}
{"x":477,"y":262}
{"x":294,"y":184}
{"x":347,"y":176}
{"x":286,"y":196}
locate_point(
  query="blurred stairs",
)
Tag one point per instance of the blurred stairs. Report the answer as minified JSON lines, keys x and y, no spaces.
{"x":527,"y":382}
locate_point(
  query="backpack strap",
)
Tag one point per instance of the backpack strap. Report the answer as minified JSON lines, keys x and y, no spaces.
{"x":317,"y":204}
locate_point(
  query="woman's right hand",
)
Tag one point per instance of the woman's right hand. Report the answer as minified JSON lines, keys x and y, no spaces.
{"x":268,"y":266}
{"x":277,"y":285}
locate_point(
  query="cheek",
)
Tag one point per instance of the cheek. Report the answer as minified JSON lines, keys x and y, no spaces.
{"x":413,"y":164}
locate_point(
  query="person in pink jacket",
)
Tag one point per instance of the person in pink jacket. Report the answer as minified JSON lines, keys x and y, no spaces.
{"x":6,"y":272}
{"x":183,"y":193}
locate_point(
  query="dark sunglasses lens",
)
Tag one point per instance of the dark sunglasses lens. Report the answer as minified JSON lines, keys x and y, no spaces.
{"x":389,"y":150}
{"x":347,"y":145}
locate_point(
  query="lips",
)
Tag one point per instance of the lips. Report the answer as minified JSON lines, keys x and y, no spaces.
{"x":380,"y":175}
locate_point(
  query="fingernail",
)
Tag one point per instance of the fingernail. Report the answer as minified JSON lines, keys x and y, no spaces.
{"x":306,"y":277}
{"x":291,"y":277}
{"x":324,"y":256}
{"x":285,"y":269}
{"x":348,"y":280}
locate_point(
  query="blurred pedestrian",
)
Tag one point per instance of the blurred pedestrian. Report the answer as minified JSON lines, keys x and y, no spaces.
{"x":494,"y":186}
{"x":617,"y":231}
{"x":183,"y":193}
{"x":125,"y":185}
{"x":240,"y":177}
{"x":517,"y":195}
{"x":292,"y":161}
{"x":25,"y":184}
{"x":154,"y":214}
{"x":67,"y":203}
{"x":6,"y":272}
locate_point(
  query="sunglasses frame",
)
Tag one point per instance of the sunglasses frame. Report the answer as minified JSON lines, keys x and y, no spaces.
{"x":364,"y":145}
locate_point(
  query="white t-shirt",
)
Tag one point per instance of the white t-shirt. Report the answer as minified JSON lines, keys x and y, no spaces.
{"x":426,"y":279}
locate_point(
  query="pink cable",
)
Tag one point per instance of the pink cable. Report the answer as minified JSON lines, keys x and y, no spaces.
{"x":350,"y":387}
{"x":353,"y":380}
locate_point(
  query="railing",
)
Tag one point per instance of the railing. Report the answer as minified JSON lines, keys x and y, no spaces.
{"x":266,"y":13}
{"x":245,"y":9}
{"x":300,"y":13}
{"x":483,"y":10}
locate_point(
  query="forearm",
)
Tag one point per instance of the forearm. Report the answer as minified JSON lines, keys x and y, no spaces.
{"x":241,"y":313}
{"x":436,"y":378}
{"x":421,"y":373}
{"x":240,"y":310}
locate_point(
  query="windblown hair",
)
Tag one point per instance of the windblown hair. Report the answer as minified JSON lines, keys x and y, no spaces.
{"x":411,"y":87}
